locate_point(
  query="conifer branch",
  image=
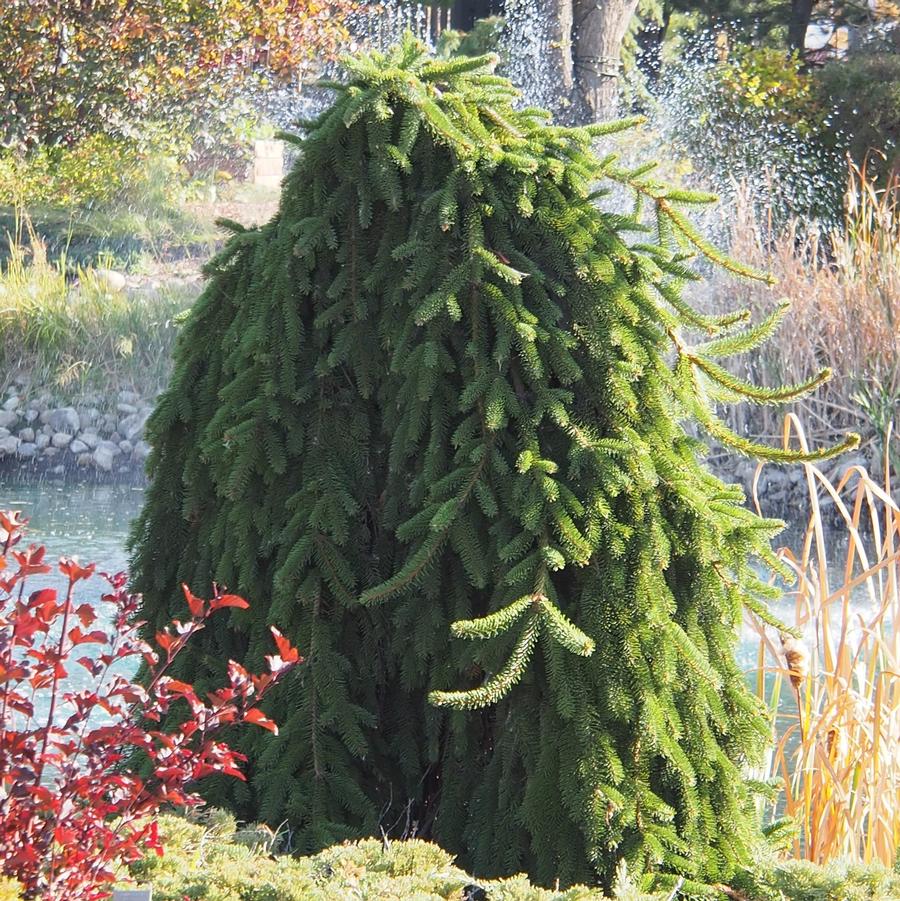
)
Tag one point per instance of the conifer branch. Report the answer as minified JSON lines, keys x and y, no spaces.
{"x":758,"y":393}
{"x":495,"y":623}
{"x":745,"y":341}
{"x":718,"y":430}
{"x":498,"y":685}
{"x":416,"y":565}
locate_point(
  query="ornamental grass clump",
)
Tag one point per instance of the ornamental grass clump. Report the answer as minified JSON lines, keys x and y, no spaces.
{"x":428,"y":420}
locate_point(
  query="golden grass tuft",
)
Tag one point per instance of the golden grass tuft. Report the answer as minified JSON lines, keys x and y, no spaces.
{"x":833,"y":689}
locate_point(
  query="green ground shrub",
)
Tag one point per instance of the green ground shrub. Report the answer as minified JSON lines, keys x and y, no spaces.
{"x":98,"y":170}
{"x":206,"y":864}
{"x":216,"y":863}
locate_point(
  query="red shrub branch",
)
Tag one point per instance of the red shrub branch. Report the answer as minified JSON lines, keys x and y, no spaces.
{"x":71,"y":810}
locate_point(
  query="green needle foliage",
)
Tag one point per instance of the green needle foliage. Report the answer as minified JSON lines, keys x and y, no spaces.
{"x":428,"y":420}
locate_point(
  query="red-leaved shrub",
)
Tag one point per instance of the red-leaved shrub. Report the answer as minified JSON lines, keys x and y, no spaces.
{"x":71,"y":810}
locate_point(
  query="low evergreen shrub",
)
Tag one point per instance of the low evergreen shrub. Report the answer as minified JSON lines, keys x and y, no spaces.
{"x":207,"y":865}
{"x":218,"y":864}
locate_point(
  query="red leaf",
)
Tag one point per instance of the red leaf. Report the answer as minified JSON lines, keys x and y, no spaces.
{"x":75,"y":572}
{"x":255,"y":715}
{"x":26,"y":625}
{"x":195,"y":604}
{"x":45,"y":599}
{"x":86,"y":614}
{"x":76,"y":636}
{"x":287,"y":652}
{"x":165,"y":640}
{"x":228,"y":600}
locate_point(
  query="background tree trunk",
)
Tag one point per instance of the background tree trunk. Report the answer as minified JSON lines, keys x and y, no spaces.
{"x":598,"y":29}
{"x":801,"y":13}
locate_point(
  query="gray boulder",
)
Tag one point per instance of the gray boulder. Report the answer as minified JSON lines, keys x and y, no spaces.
{"x":90,"y":438}
{"x":104,"y":455}
{"x":132,"y":427}
{"x":63,"y":419}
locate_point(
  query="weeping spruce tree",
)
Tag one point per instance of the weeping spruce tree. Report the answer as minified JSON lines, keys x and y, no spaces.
{"x":429,"y":420}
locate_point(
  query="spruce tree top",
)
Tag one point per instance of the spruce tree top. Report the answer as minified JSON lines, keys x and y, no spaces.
{"x":445,"y":386}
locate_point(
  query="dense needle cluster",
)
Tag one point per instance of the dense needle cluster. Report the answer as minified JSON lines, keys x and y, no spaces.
{"x":429,"y":421}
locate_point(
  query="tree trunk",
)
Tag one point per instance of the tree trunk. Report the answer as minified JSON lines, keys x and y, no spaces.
{"x":599,"y":29}
{"x":801,"y":13}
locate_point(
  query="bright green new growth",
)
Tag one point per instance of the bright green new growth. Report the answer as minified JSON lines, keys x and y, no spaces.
{"x":434,"y":400}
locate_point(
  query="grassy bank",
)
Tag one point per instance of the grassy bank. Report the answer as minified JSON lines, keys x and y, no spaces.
{"x":70,"y":329}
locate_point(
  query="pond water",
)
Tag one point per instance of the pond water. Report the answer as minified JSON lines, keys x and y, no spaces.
{"x":90,"y":522}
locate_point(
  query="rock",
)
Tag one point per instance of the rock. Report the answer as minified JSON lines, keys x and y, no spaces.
{"x":115,"y":438}
{"x":109,"y":423}
{"x":90,"y":438}
{"x":85,"y":419}
{"x":50,"y":452}
{"x":5,"y":433}
{"x":141,"y":451}
{"x":104,"y":455}
{"x":27,"y":450}
{"x":26,"y":435}
{"x":110,"y":279}
{"x":42,"y":441}
{"x":9,"y":445}
{"x":8,"y":418}
{"x":111,"y":446}
{"x":126,"y":409}
{"x":64,"y":419}
{"x":132,"y":427}
{"x":128,"y":397}
{"x":126,"y":447}
{"x":47,"y":429}
{"x":61,"y":439}
{"x":84,"y":460}
{"x":78,"y":447}
{"x":31,"y":416}
{"x":59,"y":470}
{"x":12,"y":403}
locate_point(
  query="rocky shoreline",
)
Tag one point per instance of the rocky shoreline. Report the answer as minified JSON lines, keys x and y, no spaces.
{"x":99,"y":436}
{"x":94,"y":436}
